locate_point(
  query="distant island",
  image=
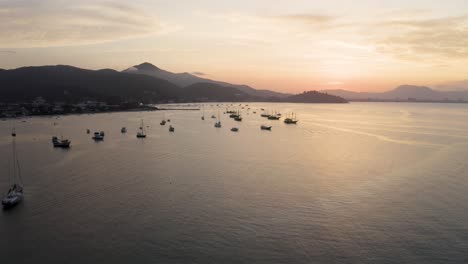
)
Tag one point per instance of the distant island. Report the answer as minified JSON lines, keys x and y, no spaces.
{"x":65,"y":89}
{"x":404,"y":93}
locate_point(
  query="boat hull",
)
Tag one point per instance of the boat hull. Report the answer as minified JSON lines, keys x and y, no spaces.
{"x":9,"y":202}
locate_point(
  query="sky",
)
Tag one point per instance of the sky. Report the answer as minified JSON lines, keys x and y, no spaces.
{"x":290,"y":46}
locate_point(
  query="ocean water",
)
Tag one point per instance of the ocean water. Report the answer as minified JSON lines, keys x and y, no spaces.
{"x":352,"y":183}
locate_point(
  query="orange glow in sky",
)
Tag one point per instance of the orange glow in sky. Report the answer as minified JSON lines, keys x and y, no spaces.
{"x":288,"y":46}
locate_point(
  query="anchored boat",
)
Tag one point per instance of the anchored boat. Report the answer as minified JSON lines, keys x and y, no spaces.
{"x":15,"y":192}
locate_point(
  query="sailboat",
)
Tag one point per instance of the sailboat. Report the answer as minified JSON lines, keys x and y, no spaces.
{"x":218,"y":123}
{"x":203,"y":116}
{"x":60,"y":142}
{"x":291,"y":119}
{"x":163,"y":122}
{"x":141,"y":133}
{"x":15,"y":193}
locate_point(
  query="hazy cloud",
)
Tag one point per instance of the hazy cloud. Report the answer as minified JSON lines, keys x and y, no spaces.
{"x":455,"y":85}
{"x":425,"y":39}
{"x":54,"y":23}
{"x":8,"y":52}
{"x":199,"y":73}
{"x":308,"y":18}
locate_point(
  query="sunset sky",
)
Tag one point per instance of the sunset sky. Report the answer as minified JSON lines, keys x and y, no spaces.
{"x":295,"y":45}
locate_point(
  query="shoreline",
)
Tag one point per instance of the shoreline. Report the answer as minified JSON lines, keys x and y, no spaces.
{"x":143,"y":109}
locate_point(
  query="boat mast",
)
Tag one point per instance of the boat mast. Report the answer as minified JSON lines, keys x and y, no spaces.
{"x":16,"y":165}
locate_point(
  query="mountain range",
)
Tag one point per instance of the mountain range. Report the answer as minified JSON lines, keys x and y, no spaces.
{"x":404,"y":93}
{"x":186,"y":79}
{"x":143,"y":83}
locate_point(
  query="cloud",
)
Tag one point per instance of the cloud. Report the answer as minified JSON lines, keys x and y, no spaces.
{"x":416,"y":39}
{"x":8,"y":52}
{"x":25,"y":24}
{"x":199,"y":73}
{"x":317,"y":19}
{"x":441,"y":38}
{"x":455,"y":85}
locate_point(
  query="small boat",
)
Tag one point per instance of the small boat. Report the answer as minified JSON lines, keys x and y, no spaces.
{"x":123,"y":130}
{"x":213,"y":116}
{"x":13,"y":132}
{"x":171,"y":129}
{"x":60,"y":143}
{"x":234,"y":129}
{"x":265,"y":127}
{"x":13,"y":197}
{"x":265,"y":115}
{"x":15,"y":192}
{"x":163,"y":123}
{"x":88,"y":131}
{"x":274,"y":117}
{"x":98,"y":136}
{"x":203,"y":116}
{"x":141,"y":133}
{"x":238,"y":118}
{"x":168,"y":120}
{"x":218,"y":123}
{"x":291,"y":119}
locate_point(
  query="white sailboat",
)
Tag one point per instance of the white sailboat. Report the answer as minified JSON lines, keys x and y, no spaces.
{"x":141,"y":133}
{"x":218,"y":123}
{"x":163,"y":121}
{"x":203,"y":116}
{"x":15,"y":193}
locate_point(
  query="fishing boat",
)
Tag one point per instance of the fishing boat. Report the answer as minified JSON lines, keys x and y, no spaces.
{"x":265,"y":127}
{"x":141,"y":133}
{"x":98,"y":136}
{"x":60,"y":143}
{"x":274,"y":117}
{"x":123,"y":130}
{"x":234,"y":129}
{"x":291,"y":119}
{"x":171,"y":129}
{"x":15,"y":192}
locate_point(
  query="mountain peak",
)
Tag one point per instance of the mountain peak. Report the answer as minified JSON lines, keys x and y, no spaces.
{"x":146,"y":66}
{"x":412,"y":88}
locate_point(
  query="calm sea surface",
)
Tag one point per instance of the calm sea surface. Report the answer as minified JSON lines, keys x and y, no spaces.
{"x":353,"y":183}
